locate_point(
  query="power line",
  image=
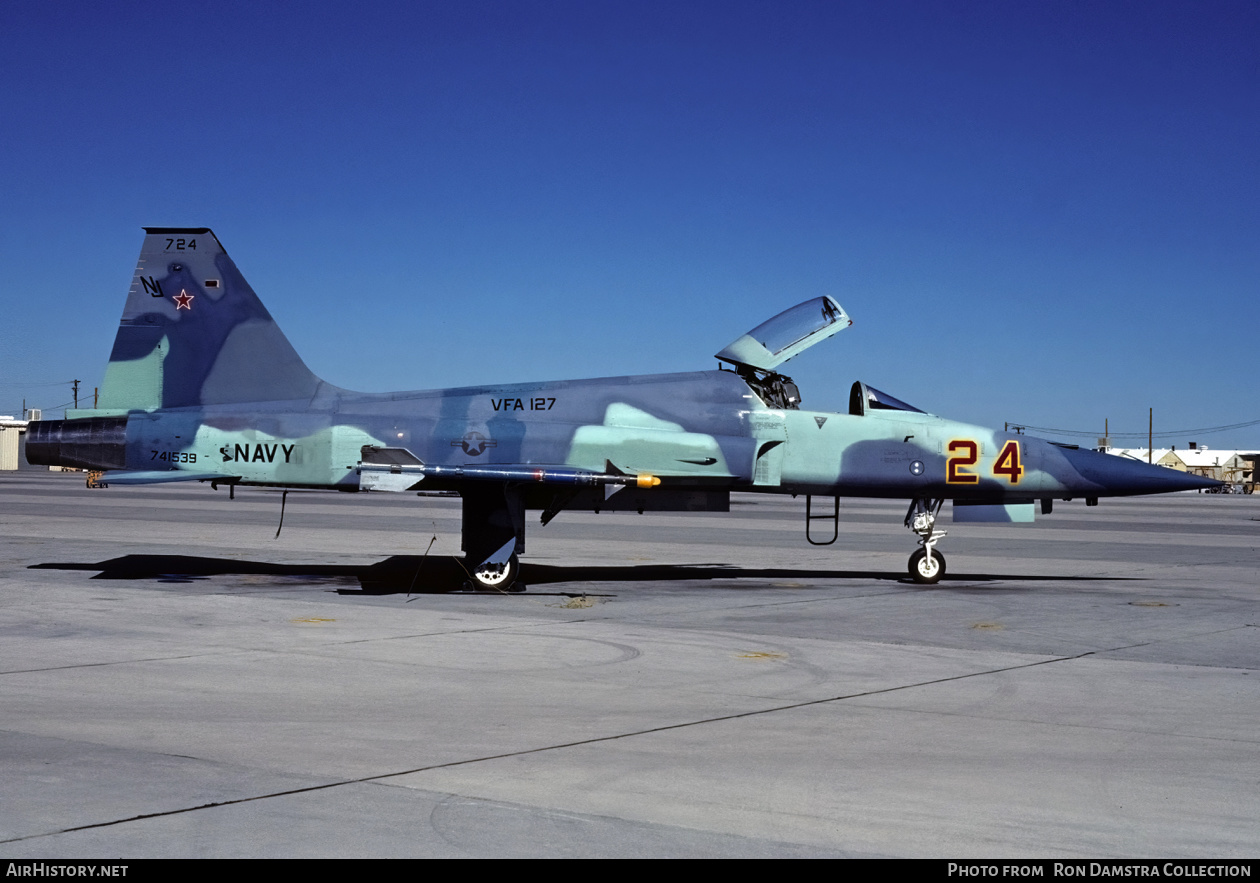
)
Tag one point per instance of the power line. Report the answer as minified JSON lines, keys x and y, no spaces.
{"x":53,"y":408}
{"x":24,"y":383}
{"x":1203,"y":430}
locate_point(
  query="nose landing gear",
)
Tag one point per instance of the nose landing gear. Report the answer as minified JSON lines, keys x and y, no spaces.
{"x":925,"y":566}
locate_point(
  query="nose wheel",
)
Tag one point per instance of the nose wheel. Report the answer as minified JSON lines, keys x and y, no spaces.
{"x":925,"y":566}
{"x":926,"y":570}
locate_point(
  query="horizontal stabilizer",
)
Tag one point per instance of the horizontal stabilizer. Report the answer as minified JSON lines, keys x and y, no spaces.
{"x":124,"y":478}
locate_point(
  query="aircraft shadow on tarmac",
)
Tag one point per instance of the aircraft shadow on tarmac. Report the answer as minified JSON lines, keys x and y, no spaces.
{"x":415,"y":574}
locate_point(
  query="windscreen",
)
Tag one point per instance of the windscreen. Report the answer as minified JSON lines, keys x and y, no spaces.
{"x":863,"y":399}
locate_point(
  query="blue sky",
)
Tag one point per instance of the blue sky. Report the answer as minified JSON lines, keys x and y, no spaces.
{"x":1046,"y":213}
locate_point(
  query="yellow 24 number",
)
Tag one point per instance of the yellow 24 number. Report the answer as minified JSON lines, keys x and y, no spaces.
{"x":965,"y":453}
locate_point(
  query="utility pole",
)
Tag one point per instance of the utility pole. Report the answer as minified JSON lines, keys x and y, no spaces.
{"x":76,"y":394}
{"x":1150,"y":435}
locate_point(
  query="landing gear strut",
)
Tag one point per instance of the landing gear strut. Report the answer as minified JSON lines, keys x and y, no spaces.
{"x":493,"y":536}
{"x":925,"y":566}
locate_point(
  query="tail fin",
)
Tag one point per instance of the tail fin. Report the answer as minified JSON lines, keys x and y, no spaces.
{"x":194,"y":333}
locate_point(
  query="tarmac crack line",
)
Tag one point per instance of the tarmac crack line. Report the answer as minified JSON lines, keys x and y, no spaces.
{"x":1179,"y":638}
{"x":381,"y":777}
{"x":26,"y":671}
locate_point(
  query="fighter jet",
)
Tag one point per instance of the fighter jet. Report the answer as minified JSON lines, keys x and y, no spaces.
{"x":203,"y":386}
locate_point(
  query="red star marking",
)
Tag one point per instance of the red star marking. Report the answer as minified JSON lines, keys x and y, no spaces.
{"x":183,"y":300}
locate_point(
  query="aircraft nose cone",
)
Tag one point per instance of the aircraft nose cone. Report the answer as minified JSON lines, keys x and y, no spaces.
{"x":1121,"y":476}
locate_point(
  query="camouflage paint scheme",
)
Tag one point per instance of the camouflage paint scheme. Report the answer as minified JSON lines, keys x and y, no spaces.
{"x":203,"y":385}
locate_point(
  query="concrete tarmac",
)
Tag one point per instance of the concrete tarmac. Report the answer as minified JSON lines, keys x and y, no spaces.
{"x":177,"y":681}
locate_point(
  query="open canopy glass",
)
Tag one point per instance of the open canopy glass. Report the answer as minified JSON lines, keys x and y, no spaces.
{"x":790,"y":333}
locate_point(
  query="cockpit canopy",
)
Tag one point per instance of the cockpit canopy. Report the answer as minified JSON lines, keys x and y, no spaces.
{"x":790,"y":333}
{"x":756,"y":354}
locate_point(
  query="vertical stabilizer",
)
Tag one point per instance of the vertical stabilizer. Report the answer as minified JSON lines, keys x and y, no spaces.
{"x":194,"y":333}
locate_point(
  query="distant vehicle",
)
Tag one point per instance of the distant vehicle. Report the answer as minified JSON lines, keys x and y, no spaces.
{"x":203,"y":386}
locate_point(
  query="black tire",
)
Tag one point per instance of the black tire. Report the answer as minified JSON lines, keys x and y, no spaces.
{"x":918,"y":569}
{"x":502,"y":580}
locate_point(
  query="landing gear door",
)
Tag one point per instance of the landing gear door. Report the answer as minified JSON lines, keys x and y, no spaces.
{"x":788,"y":334}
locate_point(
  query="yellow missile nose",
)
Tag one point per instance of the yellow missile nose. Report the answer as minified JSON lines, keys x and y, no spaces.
{"x":646,"y":480}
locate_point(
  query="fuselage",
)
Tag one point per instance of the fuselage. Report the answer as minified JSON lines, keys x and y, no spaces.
{"x":694,"y":429}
